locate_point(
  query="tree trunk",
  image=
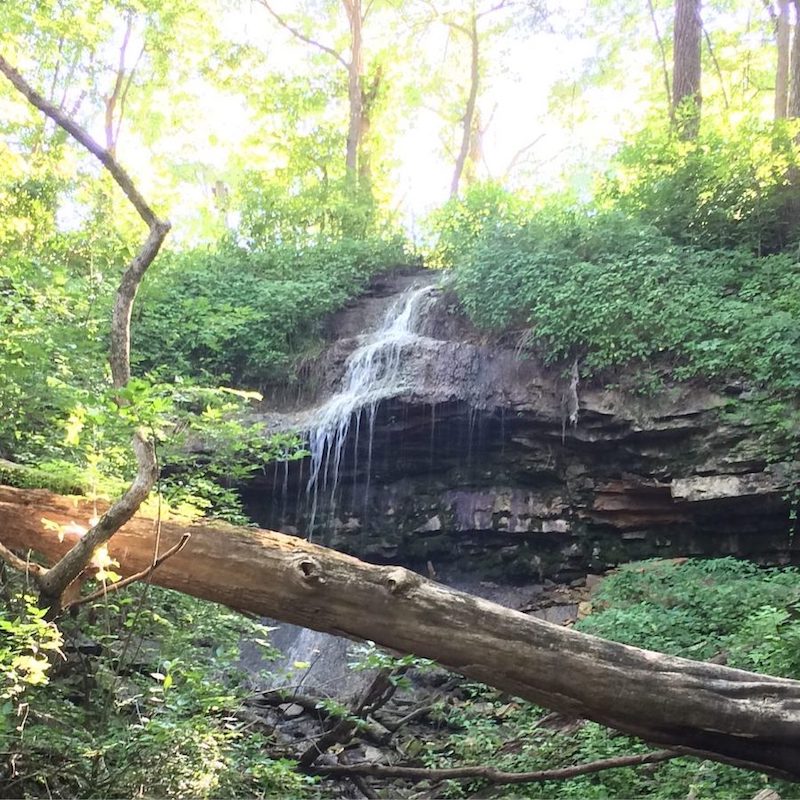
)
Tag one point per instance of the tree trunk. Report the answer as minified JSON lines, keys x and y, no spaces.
{"x":355,"y":77}
{"x":369,"y":97}
{"x":794,"y":68}
{"x":686,"y":65}
{"x":468,"y":131}
{"x":697,"y":708}
{"x":783,"y":32}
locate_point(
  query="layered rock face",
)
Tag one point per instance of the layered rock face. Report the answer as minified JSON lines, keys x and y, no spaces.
{"x":474,"y":457}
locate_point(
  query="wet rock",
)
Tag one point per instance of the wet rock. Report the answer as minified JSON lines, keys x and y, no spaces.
{"x":291,"y":710}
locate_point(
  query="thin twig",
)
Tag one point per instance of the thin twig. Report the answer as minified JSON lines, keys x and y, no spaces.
{"x":145,"y":573}
{"x":302,"y":37}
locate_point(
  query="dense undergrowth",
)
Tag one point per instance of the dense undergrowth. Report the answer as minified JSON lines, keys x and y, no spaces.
{"x":686,"y":258}
{"x":141,"y":696}
{"x":724,"y":609}
{"x":245,"y":317}
{"x":144,"y":696}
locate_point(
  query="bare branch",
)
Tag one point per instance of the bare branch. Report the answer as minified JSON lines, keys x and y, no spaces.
{"x":663,"y":51}
{"x":302,"y":37}
{"x":124,"y":96}
{"x":493,"y":775}
{"x":79,"y":134}
{"x":113,"y":98}
{"x":20,"y":564}
{"x":138,"y":576}
{"x":713,"y":55}
{"x":518,"y":156}
{"x":467,"y":132}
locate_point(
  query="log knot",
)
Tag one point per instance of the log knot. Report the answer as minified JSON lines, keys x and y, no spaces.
{"x":401,"y":581}
{"x":309,"y":570}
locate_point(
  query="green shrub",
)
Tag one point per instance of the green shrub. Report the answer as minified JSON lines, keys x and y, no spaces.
{"x":731,"y":186}
{"x":241,"y":316}
{"x":147,"y":705}
{"x":699,"y":609}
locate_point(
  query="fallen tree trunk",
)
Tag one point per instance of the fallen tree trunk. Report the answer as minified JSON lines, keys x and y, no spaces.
{"x":696,"y":708}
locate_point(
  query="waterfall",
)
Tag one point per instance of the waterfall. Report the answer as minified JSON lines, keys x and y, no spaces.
{"x":373,"y":373}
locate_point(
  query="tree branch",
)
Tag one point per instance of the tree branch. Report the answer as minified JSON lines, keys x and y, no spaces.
{"x":54,"y":581}
{"x":491,"y":774}
{"x":20,"y":564}
{"x":138,"y":576}
{"x":302,"y":37}
{"x":716,"y":66}
{"x":111,"y":100}
{"x":702,"y":709}
{"x":662,"y":49}
{"x":80,"y":135}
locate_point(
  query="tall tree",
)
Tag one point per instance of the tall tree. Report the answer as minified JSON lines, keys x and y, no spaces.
{"x":687,"y":69}
{"x":793,"y":107}
{"x":783,"y":31}
{"x":469,"y":122}
{"x":362,"y":91}
{"x":476,"y":24}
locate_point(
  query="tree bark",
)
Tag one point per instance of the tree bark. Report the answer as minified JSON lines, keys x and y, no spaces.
{"x":686,"y":71}
{"x":783,"y":32}
{"x":696,"y":708}
{"x":468,"y":120}
{"x":794,"y":69}
{"x":355,"y":80}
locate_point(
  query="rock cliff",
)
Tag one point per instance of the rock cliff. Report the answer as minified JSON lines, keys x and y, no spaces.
{"x":484,"y":460}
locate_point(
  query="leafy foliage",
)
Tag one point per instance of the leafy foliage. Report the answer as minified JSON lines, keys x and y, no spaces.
{"x":612,"y":293}
{"x":148,"y":697}
{"x":730,"y":187}
{"x":242,"y":316}
{"x":703,"y":609}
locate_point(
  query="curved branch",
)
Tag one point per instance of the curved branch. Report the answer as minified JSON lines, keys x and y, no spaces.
{"x":302,"y":37}
{"x":121,"y":177}
{"x":54,"y":581}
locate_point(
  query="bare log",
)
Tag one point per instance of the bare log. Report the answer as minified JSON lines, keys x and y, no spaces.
{"x":695,"y":708}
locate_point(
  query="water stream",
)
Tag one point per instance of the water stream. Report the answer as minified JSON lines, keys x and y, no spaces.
{"x":373,"y":372}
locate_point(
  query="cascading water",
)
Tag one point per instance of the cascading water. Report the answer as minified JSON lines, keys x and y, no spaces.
{"x":373,"y":373}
